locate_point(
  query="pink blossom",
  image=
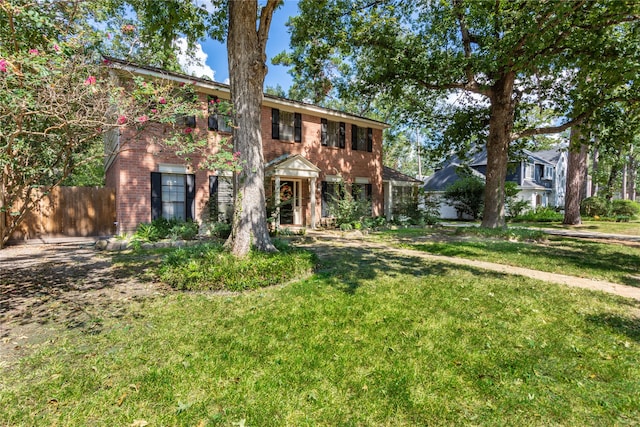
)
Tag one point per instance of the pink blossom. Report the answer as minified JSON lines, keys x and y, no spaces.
{"x":218,"y":101}
{"x":56,"y":48}
{"x":162,"y":100}
{"x":34,"y":51}
{"x":188,"y":130}
{"x":91,"y":80}
{"x":109,"y":36}
{"x":106,"y":62}
{"x":122,"y":120}
{"x":181,"y":84}
{"x":153,"y":110}
{"x":237,"y":154}
{"x":3,"y":65}
{"x":142,"y":118}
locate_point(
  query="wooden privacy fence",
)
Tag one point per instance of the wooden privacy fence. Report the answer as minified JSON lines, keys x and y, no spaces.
{"x":70,"y":212}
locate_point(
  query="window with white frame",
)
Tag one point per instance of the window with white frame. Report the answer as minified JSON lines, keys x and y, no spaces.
{"x":548,"y":172}
{"x":285,"y":125}
{"x":332,"y":133}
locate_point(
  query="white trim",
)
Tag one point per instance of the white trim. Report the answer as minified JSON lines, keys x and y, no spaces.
{"x":168,"y":168}
{"x":361,"y":180}
{"x":268,"y":101}
{"x":402,"y":183}
{"x":333,"y":178}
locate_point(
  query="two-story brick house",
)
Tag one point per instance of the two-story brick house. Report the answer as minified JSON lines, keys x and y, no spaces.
{"x":311,"y":154}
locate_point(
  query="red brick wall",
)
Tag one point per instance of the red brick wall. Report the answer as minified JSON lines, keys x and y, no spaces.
{"x":130,"y":173}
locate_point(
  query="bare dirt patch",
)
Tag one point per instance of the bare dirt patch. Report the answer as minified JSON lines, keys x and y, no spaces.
{"x":45,"y":288}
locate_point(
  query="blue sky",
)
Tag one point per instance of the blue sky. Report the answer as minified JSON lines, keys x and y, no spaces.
{"x":278,"y":41}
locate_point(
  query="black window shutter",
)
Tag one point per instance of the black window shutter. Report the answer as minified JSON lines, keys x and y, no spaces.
{"x":156,"y":195}
{"x":354,"y":137}
{"x":190,"y":121}
{"x":191,"y":196}
{"x":342,"y":134}
{"x":297,"y":123}
{"x":275,"y":123}
{"x":213,"y":122}
{"x":323,"y":131}
{"x":213,"y":197}
{"x":325,"y":199}
{"x":369,"y":140}
{"x":369,"y":191}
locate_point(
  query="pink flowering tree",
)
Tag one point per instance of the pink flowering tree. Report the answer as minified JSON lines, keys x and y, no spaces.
{"x":57,"y":100}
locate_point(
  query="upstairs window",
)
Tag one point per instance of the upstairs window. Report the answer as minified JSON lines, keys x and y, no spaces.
{"x":361,"y":138}
{"x":218,"y":121}
{"x":332,"y":133}
{"x":548,"y":172}
{"x":286,"y":126}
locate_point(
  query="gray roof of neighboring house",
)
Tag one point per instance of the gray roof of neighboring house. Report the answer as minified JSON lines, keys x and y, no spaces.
{"x":446,"y":176}
{"x":550,"y":156}
{"x":545,"y":156}
{"x":389,"y":174}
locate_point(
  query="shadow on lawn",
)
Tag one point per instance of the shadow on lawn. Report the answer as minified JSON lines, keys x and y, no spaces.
{"x":62,"y":283}
{"x":578,"y":253}
{"x":618,"y":324}
{"x":347,"y":267}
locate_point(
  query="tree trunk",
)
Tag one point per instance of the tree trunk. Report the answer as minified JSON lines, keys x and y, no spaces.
{"x":613,"y":176}
{"x":247,"y":71}
{"x":633,"y":175}
{"x":576,"y":168}
{"x":594,"y":171}
{"x":500,"y":126}
{"x":623,"y":187}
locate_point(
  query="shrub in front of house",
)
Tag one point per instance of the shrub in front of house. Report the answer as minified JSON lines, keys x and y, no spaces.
{"x":540,"y":214}
{"x":210,"y":267}
{"x":625,"y":208}
{"x":162,"y":228}
{"x":594,"y":206}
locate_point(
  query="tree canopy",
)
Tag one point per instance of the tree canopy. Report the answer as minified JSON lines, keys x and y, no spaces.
{"x":495,"y":61}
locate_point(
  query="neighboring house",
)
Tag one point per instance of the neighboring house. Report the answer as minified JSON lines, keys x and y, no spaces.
{"x":541,"y":177}
{"x":309,"y":152}
{"x":401,"y":192}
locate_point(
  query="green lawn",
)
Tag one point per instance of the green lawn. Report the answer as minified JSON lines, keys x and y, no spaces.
{"x":366,"y":341}
{"x":631,"y":228}
{"x":575,"y":257}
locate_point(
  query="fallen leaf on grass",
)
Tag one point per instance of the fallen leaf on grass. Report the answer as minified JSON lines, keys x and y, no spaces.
{"x":122,"y":398}
{"x":139,"y":423}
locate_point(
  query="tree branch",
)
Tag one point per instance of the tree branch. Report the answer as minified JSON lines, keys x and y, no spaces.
{"x":549,"y":129}
{"x":266,"y":15}
{"x":466,"y":41}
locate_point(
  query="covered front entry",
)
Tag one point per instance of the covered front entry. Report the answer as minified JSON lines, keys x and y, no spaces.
{"x":293,"y":189}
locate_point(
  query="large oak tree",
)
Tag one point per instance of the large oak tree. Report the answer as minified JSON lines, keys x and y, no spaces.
{"x":513,"y":55}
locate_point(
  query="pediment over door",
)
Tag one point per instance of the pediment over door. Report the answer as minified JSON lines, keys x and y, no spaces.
{"x":293,"y":166}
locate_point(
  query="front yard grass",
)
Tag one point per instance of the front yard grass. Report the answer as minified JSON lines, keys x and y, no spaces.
{"x":575,"y":257}
{"x":367,"y":340}
{"x":631,"y":228}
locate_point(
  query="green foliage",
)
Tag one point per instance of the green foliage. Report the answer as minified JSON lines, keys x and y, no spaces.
{"x":601,"y":207}
{"x":466,"y":195}
{"x":627,"y":208}
{"x":594,"y":206}
{"x":348,"y":209}
{"x":210,"y":267}
{"x":540,"y":214}
{"x":163,"y":228}
{"x":512,"y":203}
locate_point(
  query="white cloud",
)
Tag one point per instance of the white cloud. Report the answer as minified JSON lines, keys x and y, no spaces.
{"x":193,"y":64}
